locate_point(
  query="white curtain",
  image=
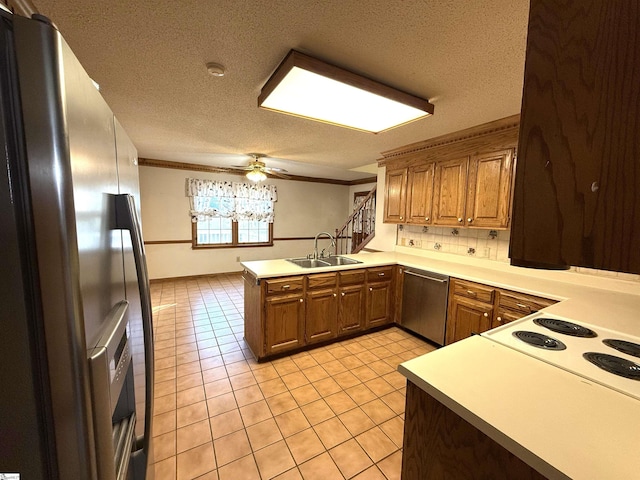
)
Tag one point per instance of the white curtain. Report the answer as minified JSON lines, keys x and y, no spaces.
{"x":238,"y":201}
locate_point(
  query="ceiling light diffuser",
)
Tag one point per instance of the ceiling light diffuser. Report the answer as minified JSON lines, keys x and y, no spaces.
{"x":307,"y":87}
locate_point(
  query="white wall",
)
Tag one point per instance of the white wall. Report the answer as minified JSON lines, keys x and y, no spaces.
{"x":303,"y":209}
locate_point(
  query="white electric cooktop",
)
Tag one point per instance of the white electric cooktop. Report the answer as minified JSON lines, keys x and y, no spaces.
{"x":573,"y":346}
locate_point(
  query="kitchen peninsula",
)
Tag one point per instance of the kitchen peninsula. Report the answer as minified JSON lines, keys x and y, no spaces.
{"x":556,"y":422}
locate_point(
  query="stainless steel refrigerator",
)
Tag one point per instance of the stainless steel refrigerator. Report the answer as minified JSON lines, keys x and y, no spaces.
{"x":76,"y":353}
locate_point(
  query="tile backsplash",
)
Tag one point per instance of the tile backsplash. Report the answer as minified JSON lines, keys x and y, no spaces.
{"x":486,"y":244}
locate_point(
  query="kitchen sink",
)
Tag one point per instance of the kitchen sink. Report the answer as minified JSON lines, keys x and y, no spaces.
{"x":308,"y":262}
{"x":322,"y":262}
{"x":338,"y":260}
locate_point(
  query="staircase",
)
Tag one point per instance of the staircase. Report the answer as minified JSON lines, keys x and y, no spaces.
{"x":360,"y":227}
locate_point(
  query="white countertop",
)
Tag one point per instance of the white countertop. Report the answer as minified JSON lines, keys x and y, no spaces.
{"x":574,"y":428}
{"x":600,"y":301}
{"x":570,"y":428}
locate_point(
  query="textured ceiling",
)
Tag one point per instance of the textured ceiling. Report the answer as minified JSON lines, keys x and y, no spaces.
{"x":466,"y":57}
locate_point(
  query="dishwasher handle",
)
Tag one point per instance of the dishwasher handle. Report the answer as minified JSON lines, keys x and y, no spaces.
{"x":407,"y":272}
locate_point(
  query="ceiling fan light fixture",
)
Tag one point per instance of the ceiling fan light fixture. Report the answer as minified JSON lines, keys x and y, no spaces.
{"x":256,"y":175}
{"x":310,"y":88}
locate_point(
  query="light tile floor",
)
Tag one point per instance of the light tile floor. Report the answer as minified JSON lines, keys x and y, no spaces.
{"x":329,"y":413}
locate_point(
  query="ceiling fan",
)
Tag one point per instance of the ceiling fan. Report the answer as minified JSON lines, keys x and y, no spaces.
{"x":257,"y":170}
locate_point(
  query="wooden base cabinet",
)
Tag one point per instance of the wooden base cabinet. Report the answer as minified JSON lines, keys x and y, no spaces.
{"x":379,"y":296}
{"x":283,"y":327}
{"x":288,"y":313}
{"x":475,"y":308}
{"x":351,"y":309}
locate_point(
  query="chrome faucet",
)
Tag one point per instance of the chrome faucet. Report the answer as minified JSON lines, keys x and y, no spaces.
{"x":315,"y":243}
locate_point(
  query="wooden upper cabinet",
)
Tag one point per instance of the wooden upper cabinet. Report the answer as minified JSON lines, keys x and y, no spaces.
{"x":450,"y":185}
{"x":395,"y":195}
{"x":420,"y":193}
{"x":577,"y":189}
{"x":489,"y":190}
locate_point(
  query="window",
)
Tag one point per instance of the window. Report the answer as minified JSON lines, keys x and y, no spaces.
{"x":225,"y":214}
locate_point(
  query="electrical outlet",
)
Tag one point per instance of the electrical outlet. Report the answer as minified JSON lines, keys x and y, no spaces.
{"x":237,"y":259}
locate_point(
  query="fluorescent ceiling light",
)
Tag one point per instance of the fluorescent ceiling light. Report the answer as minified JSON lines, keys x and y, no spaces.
{"x":307,"y":87}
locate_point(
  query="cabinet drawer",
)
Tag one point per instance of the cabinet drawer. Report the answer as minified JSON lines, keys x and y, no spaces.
{"x":519,"y":302}
{"x":482,"y":293}
{"x":379,"y":274}
{"x":351,"y":277}
{"x":322,"y":280}
{"x":288,"y":284}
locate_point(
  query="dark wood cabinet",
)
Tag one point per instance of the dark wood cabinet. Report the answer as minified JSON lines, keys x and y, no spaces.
{"x":577,"y":184}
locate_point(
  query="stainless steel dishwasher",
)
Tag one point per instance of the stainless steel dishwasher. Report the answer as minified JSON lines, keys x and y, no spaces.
{"x":424,"y":303}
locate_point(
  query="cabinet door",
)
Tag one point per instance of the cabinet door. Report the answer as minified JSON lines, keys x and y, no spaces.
{"x":466,"y":317}
{"x":378,"y":304}
{"x":351,"y":308}
{"x":577,"y":199}
{"x":395,"y":196}
{"x":505,"y":316}
{"x":420,"y":194}
{"x":489,"y":190}
{"x":321,"y":315}
{"x":284,"y":322}
{"x":450,"y":192}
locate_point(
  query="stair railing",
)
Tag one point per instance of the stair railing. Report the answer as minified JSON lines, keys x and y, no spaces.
{"x":360,"y":227}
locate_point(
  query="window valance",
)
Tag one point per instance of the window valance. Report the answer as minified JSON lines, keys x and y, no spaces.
{"x":239,"y":201}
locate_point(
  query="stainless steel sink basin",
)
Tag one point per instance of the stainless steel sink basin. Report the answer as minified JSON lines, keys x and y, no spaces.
{"x":322,"y":262}
{"x":308,"y":262}
{"x":338,"y":260}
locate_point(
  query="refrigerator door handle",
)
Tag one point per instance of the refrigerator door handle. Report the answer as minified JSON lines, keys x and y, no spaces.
{"x":127,"y":219}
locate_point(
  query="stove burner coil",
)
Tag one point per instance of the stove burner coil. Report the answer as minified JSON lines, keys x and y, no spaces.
{"x":623,"y":346}
{"x":564,"y":327}
{"x":616,"y":365}
{"x":539,"y":340}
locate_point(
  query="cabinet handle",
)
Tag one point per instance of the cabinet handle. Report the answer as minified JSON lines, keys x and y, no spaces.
{"x":426,"y":219}
{"x":485,"y":314}
{"x":335,"y":294}
{"x":469,"y":220}
{"x":459,"y":219}
{"x":286,"y":287}
{"x":499,"y":319}
{"x":522,"y":306}
{"x":472,"y":293}
{"x":401,"y":218}
{"x":381,"y":274}
{"x":342,"y":294}
{"x":370,"y":289}
{"x":301,"y":300}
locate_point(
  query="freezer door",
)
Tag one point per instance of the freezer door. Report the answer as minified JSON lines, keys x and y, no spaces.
{"x":70,"y":154}
{"x":137,"y":292}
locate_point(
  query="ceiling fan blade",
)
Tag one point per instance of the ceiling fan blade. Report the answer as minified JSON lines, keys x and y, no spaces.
{"x":275,"y":169}
{"x":276,"y":174}
{"x":242,"y":167}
